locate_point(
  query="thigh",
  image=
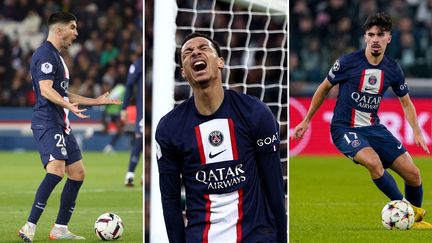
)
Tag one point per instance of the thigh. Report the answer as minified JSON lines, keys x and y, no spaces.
{"x":76,"y":171}
{"x":51,"y":145}
{"x":349,"y":141}
{"x":73,"y":150}
{"x":385,"y":144}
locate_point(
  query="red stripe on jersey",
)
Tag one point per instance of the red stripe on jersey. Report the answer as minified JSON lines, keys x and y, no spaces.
{"x":381,"y":83}
{"x":240,"y":216}
{"x":362,"y":79}
{"x":353,"y":117}
{"x":207,"y":218}
{"x":233,"y":139}
{"x":200,"y":145}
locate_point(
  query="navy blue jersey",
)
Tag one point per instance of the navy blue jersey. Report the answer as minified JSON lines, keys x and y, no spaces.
{"x":217,"y":158}
{"x":361,"y":88}
{"x":47,"y":64}
{"x":135,"y":77}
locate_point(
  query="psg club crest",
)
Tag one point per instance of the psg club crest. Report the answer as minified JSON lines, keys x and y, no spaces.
{"x":355,"y":143}
{"x":372,"y":80}
{"x":216,"y":138}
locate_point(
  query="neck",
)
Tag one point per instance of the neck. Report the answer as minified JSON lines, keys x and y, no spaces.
{"x":374,"y":60}
{"x":55,"y":42}
{"x":208,"y":100}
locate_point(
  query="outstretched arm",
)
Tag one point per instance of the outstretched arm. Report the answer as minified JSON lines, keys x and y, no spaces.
{"x":411,"y":116}
{"x":317,"y":100}
{"x":101,"y":100}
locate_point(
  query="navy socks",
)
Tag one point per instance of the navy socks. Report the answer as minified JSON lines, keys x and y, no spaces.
{"x":388,"y":186}
{"x":135,"y":153}
{"x":44,"y":191}
{"x":67,"y":201}
{"x":414,"y":194}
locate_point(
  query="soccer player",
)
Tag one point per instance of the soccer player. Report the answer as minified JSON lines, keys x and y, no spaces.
{"x":223,"y":146}
{"x":57,"y":146}
{"x":135,"y":77}
{"x":363,"y":77}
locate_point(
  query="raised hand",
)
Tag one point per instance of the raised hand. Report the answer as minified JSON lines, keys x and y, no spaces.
{"x":104,"y":100}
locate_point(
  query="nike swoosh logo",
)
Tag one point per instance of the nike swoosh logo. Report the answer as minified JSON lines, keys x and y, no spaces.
{"x":400,"y":146}
{"x":367,"y":88}
{"x":211,"y":156}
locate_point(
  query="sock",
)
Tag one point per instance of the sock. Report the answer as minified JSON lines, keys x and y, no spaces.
{"x":135,"y":154}
{"x":42,"y":194}
{"x":67,"y":201}
{"x":388,"y":186}
{"x":414,"y":194}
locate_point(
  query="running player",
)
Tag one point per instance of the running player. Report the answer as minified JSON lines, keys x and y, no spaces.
{"x":57,"y":146}
{"x":224,"y":147}
{"x":363,"y":77}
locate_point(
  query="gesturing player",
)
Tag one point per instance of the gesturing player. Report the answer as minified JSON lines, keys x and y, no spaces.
{"x":223,"y":146}
{"x":363,"y":77}
{"x":57,"y":146}
{"x":135,"y":77}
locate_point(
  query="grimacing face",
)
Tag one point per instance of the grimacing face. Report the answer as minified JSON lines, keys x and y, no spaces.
{"x":200,"y":62}
{"x":376,"y":40}
{"x":68,"y":34}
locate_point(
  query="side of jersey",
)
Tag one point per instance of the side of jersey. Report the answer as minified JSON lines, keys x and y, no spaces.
{"x":47,"y":64}
{"x":216,"y":156}
{"x":361,"y":88}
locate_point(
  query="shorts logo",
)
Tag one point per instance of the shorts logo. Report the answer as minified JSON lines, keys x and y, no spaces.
{"x":372,"y":80}
{"x":216,"y":138}
{"x":336,"y":66}
{"x":63,"y":151}
{"x":355,"y":143}
{"x":46,"y":67}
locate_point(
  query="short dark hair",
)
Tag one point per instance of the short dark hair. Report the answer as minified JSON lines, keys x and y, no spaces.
{"x":61,"y":17}
{"x":381,"y":20}
{"x":193,"y":35}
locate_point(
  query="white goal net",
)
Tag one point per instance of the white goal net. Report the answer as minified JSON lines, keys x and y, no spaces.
{"x":253,"y":38}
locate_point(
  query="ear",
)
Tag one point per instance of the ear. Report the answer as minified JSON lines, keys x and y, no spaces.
{"x":183,"y":73}
{"x":221,"y":62}
{"x":389,"y":39}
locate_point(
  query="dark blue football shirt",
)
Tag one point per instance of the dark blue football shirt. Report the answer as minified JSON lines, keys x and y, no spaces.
{"x":217,"y":156}
{"x":361,"y":88}
{"x":47,"y":64}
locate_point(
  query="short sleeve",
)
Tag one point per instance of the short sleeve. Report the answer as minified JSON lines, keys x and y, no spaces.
{"x":45,"y":69}
{"x":337,"y":72}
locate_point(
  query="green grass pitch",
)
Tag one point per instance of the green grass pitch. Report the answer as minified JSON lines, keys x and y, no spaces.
{"x":103,"y":191}
{"x":333,"y":200}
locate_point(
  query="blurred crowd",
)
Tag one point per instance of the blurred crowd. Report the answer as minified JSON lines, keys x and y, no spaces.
{"x":109,"y":40}
{"x":323,"y":30}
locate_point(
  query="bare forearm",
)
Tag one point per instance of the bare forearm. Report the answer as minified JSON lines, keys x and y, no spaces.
{"x":317,"y":100}
{"x":52,"y":95}
{"x":411,"y":115}
{"x":74,"y":98}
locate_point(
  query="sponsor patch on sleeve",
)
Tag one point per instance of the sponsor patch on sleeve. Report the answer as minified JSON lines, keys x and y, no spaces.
{"x":46,"y":67}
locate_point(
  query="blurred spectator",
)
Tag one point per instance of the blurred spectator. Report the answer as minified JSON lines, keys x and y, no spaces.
{"x":108,"y":33}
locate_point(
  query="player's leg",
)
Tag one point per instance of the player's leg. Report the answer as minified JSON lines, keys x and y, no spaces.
{"x":75,"y":172}
{"x":382,"y":179}
{"x":134,"y":159}
{"x":55,"y":171}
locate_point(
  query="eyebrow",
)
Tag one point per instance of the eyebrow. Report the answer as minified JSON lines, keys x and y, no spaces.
{"x":200,"y":46}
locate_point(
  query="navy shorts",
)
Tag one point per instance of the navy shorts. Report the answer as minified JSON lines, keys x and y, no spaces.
{"x":55,"y":144}
{"x":351,"y":140}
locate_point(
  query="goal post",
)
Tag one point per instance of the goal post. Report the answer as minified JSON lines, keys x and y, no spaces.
{"x":253,"y":38}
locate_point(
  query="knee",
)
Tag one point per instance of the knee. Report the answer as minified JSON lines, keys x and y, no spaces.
{"x":375,"y":167}
{"x":414,"y":178}
{"x":77,"y":175}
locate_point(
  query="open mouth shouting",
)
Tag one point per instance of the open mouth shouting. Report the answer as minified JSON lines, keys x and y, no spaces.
{"x":199,"y":66}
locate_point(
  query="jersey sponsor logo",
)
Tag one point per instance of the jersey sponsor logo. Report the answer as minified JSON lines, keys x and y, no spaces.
{"x":64,"y":85}
{"x":372,"y":80}
{"x":46,"y":67}
{"x":403,"y":86}
{"x":215,"y":138}
{"x":366,"y":101}
{"x":221,"y":178}
{"x":268,"y":140}
{"x":211,"y":156}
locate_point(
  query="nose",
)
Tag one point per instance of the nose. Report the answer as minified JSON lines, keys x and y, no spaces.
{"x":195,"y":52}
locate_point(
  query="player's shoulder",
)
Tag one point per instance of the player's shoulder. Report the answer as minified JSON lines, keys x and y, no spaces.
{"x":44,"y":51}
{"x":352,"y":58}
{"x":248,"y":102}
{"x":176,"y":115}
{"x":391,"y":63}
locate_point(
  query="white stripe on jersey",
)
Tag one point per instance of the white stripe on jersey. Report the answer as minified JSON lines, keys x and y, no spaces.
{"x":223,"y":218}
{"x":216,"y":153}
{"x":372,"y":81}
{"x":66,"y":118}
{"x":361,"y":118}
{"x":65,"y":68}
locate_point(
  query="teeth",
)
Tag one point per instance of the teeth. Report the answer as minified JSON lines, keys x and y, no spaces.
{"x":199,"y":63}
